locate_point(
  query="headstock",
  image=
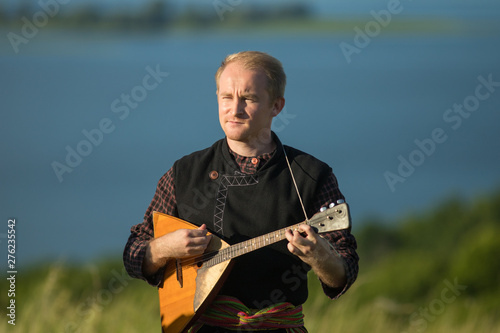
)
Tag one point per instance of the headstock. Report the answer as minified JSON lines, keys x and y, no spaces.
{"x":335,"y":217}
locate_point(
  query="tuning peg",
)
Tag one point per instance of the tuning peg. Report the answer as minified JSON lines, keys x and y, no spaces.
{"x":322,"y":209}
{"x":331,"y":205}
{"x":340,"y":201}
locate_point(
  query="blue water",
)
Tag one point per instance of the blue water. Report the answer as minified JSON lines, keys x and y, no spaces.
{"x":358,"y":117}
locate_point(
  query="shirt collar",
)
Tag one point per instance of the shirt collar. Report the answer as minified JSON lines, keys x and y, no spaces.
{"x":250,"y":164}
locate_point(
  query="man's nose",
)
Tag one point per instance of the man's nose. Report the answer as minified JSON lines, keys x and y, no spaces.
{"x":238,"y":107}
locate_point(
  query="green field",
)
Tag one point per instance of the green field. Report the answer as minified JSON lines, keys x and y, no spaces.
{"x":434,"y":272}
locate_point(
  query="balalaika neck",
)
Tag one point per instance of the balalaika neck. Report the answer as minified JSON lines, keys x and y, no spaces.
{"x":333,"y":218}
{"x":250,"y":245}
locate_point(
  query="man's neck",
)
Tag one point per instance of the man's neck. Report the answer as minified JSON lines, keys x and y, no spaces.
{"x":254,"y":148}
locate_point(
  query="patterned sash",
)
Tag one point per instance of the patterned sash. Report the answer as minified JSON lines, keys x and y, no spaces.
{"x":230,"y":313}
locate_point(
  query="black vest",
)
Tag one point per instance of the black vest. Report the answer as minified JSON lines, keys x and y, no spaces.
{"x":210,"y":189}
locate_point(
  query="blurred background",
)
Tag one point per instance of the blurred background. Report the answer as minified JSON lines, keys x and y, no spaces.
{"x":401,"y":98}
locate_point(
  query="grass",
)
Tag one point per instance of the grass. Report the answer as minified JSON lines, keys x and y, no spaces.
{"x":89,"y":299}
{"x":51,"y":305}
{"x":437,"y":272}
{"x":349,"y":314}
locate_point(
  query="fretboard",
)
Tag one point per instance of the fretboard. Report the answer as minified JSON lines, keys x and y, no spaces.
{"x":250,"y":245}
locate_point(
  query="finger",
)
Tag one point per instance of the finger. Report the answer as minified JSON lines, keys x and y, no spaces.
{"x":300,"y":243}
{"x":207,"y":233}
{"x":200,"y":232}
{"x":294,"y":250}
{"x":307,"y":231}
{"x":200,"y":236}
{"x":196,"y":246}
{"x":199,"y":239}
{"x":291,"y":237}
{"x":300,"y":239}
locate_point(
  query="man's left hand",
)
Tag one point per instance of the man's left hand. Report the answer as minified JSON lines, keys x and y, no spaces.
{"x":315,"y":251}
{"x":306,"y":244}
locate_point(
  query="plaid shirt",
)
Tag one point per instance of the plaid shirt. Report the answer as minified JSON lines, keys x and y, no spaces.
{"x":164,"y":201}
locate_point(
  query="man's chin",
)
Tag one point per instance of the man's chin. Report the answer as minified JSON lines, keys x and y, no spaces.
{"x":236,"y":135}
{"x":251,"y":140}
{"x":237,"y":138}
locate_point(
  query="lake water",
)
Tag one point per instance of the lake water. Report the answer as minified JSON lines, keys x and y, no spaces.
{"x":363,"y":118}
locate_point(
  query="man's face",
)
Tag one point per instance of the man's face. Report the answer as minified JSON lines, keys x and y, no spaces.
{"x":245,"y":108}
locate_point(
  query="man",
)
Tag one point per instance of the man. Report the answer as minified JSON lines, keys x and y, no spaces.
{"x":242,"y":187}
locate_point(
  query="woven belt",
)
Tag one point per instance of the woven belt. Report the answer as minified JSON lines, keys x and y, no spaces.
{"x":230,"y":313}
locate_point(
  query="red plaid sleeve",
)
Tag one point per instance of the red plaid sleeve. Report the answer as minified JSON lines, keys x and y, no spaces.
{"x":342,"y":240}
{"x":141,"y":234}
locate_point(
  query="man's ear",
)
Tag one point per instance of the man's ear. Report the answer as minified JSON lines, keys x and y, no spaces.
{"x":278,"y":105}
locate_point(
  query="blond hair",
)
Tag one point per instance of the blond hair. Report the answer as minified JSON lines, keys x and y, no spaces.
{"x":255,"y":60}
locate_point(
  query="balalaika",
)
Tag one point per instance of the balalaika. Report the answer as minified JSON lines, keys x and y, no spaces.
{"x":190,"y":284}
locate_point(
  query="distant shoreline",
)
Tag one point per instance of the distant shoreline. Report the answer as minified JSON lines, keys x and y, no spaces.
{"x":396,"y":25}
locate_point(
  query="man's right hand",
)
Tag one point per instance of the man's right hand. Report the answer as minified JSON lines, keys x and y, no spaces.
{"x":177,"y":244}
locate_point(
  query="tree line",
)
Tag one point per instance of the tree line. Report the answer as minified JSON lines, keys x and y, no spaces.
{"x":157,"y":14}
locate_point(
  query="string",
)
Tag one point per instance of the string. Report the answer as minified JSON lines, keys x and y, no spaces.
{"x":300,"y":199}
{"x":257,"y":242}
{"x":295,"y":184}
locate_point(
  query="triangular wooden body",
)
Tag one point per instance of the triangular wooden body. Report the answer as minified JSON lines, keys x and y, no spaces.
{"x":180,"y":306}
